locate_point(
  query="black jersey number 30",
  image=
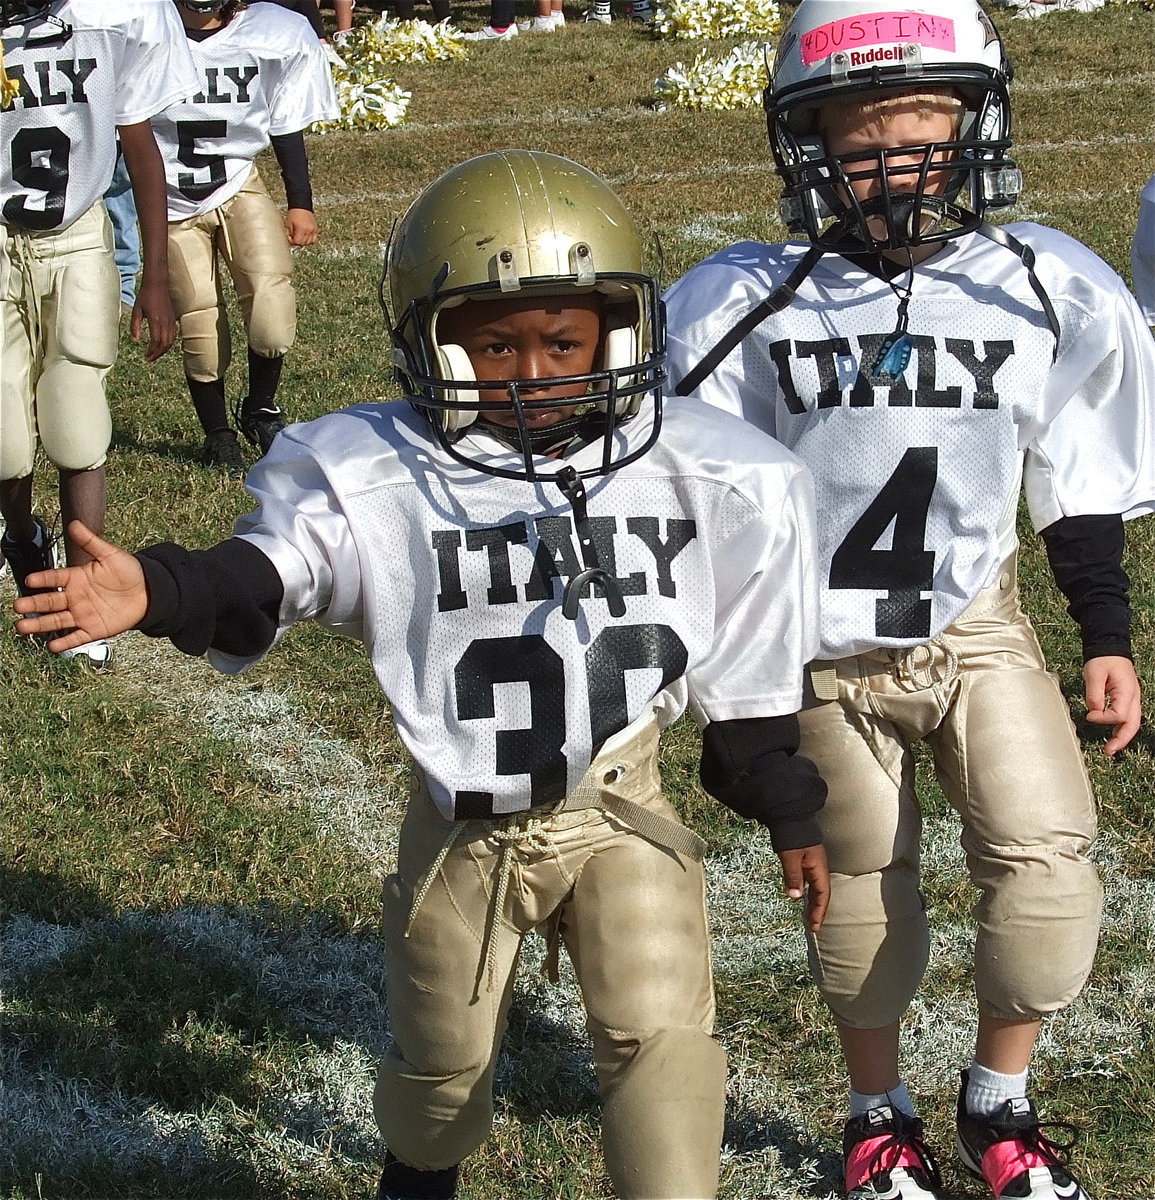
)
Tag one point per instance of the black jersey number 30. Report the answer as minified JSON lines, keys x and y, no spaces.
{"x":538,"y":750}
{"x":907,"y":568}
{"x":40,"y":164}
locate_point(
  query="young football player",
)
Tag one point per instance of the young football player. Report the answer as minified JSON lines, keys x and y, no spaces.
{"x":927,"y":365}
{"x":75,"y":73}
{"x":263,"y":78}
{"x":1143,"y":252}
{"x":547,"y":568}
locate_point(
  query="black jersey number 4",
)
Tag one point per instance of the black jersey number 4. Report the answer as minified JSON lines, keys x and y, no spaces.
{"x":906,"y":569}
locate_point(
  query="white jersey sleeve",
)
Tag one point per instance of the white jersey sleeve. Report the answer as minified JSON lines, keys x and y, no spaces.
{"x":97,"y":65}
{"x":157,"y":69}
{"x":262,"y":75}
{"x":1091,"y":447}
{"x":454,"y":579}
{"x":1143,"y":252}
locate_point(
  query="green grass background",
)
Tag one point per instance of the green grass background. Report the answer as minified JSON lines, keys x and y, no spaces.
{"x":190,"y":933}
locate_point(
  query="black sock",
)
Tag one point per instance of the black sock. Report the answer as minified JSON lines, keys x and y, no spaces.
{"x":264,"y":378}
{"x":501,"y":13}
{"x":209,"y":401}
{"x":440,"y":9}
{"x":406,"y":9}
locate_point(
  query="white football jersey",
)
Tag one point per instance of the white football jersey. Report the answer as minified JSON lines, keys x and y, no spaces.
{"x":1143,"y":252}
{"x":262,"y":75}
{"x":917,"y":483}
{"x":85,"y":68}
{"x":454,"y":580}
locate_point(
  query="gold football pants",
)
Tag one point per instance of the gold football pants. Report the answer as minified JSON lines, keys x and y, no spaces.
{"x":247,"y":232}
{"x":632,"y":917}
{"x":60,"y":306}
{"x":1008,"y":760}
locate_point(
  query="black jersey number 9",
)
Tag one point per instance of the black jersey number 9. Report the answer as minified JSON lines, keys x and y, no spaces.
{"x":39,"y":163}
{"x":537,"y":751}
{"x":188,"y":134}
{"x":907,"y":568}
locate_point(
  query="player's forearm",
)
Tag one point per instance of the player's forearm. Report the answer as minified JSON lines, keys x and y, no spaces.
{"x":752,"y":767}
{"x":146,"y":170}
{"x":293,"y":161}
{"x":227,"y":598}
{"x":1086,"y":557}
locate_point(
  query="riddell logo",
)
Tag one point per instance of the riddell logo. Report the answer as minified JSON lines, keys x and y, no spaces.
{"x":880,"y":54}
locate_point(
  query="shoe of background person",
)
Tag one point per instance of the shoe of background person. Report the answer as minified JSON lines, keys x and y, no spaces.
{"x":642,"y":12}
{"x":886,"y":1158}
{"x":221,"y":449}
{"x":1012,"y":1155}
{"x":399,"y":1181}
{"x":538,"y":25}
{"x":558,"y":19}
{"x":23,"y":558}
{"x":97,"y":656}
{"x":602,"y":17}
{"x":259,"y":425}
{"x":489,"y":34}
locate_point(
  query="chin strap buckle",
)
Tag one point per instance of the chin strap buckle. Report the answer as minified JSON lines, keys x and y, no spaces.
{"x":573,"y":488}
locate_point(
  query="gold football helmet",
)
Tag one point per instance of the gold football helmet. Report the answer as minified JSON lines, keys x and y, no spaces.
{"x":511,"y":224}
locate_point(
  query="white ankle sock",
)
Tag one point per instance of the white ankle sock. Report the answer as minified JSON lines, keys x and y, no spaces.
{"x":898,"y":1098}
{"x":987,"y":1090}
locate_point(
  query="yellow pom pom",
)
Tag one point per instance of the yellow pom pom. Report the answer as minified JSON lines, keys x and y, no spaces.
{"x":717,"y":19}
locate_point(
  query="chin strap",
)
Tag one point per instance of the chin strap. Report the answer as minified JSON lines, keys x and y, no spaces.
{"x":1026,"y":255}
{"x":553,"y":439}
{"x":781,"y":297}
{"x":573,"y":488}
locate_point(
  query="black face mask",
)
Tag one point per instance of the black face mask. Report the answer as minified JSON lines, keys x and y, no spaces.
{"x":553,"y":439}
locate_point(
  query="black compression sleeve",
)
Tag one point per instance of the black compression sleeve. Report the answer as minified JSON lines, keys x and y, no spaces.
{"x":1086,"y":557}
{"x":307,"y":9}
{"x":227,"y":598}
{"x":294,"y":163}
{"x":752,"y":767}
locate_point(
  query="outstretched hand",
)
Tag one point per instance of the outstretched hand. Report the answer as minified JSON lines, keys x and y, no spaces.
{"x":98,"y":600}
{"x":805,"y":875}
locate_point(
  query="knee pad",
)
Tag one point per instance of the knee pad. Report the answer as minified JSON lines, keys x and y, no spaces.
{"x":872,"y":951}
{"x":206,"y":346}
{"x":272,"y":325}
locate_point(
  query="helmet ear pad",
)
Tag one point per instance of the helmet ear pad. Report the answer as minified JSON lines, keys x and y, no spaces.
{"x":453,"y":363}
{"x":621,"y":351}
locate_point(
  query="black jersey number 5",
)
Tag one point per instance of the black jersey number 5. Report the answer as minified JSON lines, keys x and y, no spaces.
{"x":537,"y":751}
{"x":907,"y":568}
{"x":40,"y":164}
{"x":188,"y":134}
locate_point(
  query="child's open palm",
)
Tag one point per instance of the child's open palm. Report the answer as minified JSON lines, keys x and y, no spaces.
{"x":98,"y":600}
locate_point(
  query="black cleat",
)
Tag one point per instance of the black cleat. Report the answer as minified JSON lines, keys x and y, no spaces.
{"x":223,"y":451}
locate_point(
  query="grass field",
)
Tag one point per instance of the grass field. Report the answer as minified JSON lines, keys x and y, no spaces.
{"x":191,"y":864}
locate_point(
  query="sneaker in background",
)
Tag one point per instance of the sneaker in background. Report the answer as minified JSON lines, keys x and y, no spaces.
{"x":598,"y":12}
{"x":490,"y":34}
{"x":24,"y":558}
{"x":97,"y":656}
{"x":259,"y":425}
{"x":222,"y":450}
